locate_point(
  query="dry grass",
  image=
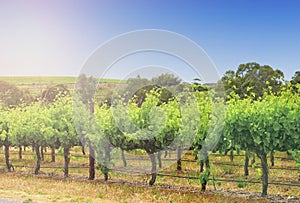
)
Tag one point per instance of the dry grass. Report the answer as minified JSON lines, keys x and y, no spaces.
{"x":51,"y":190}
{"x":60,"y":190}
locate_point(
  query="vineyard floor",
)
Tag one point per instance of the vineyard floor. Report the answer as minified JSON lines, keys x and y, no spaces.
{"x":30,"y":188}
{"x":50,"y":186}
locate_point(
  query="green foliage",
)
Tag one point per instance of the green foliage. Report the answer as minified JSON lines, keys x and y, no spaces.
{"x":258,"y":173}
{"x":296,"y":156}
{"x":203,"y":177}
{"x":150,"y":126}
{"x":103,"y":169}
{"x":262,"y":126}
{"x":60,"y":113}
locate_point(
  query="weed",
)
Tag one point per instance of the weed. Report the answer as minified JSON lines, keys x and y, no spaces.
{"x":242,"y":184}
{"x":100,"y":196}
{"x":28,"y":201}
{"x":229,"y":170}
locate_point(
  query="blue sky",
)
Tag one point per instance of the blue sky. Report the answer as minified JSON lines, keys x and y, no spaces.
{"x":57,"y":37}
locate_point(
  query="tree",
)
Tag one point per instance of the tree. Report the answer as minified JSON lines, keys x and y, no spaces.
{"x":12,"y":96}
{"x":228,"y":81}
{"x":296,"y":78}
{"x":166,"y":80}
{"x":138,"y":87}
{"x":252,"y":79}
{"x":53,"y":92}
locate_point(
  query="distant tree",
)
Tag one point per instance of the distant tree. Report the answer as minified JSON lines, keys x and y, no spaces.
{"x":134,"y":83}
{"x":137,"y":88}
{"x":166,"y":79}
{"x":53,"y":92}
{"x":252,"y":79}
{"x":296,"y":78}
{"x":12,"y":96}
{"x":86,"y":88}
{"x":228,"y":81}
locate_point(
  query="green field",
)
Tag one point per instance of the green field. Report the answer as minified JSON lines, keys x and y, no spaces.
{"x":37,"y":84}
{"x":48,"y":80}
{"x":38,"y":80}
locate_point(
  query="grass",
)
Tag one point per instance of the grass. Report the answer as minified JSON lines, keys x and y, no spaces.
{"x":37,"y":189}
{"x":189,"y":169}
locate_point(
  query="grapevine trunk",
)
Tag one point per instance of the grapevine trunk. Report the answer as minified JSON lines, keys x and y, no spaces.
{"x":67,"y":161}
{"x":264,"y":165}
{"x":38,"y":159}
{"x":153,"y":169}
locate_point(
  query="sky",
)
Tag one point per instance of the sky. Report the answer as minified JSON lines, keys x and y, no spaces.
{"x":56,"y":38}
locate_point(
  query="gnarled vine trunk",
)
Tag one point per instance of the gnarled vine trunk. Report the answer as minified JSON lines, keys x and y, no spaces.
{"x":91,"y":163}
{"x":42,"y":154}
{"x":231,"y":155}
{"x":265,"y":170}
{"x":195,"y":156}
{"x":201,"y":166}
{"x":166,"y":154}
{"x":253,"y":160}
{"x":6,"y":148}
{"x":272,"y":158}
{"x":82,"y":149}
{"x":38,"y":159}
{"x":67,"y":161}
{"x":106,"y":164}
{"x":123,"y":158}
{"x":207,"y":173}
{"x":91,"y":151}
{"x":179,"y":152}
{"x":52,"y":154}
{"x":246,"y":170}
{"x":20,"y":152}
{"x":159,"y":159}
{"x":153,"y":169}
